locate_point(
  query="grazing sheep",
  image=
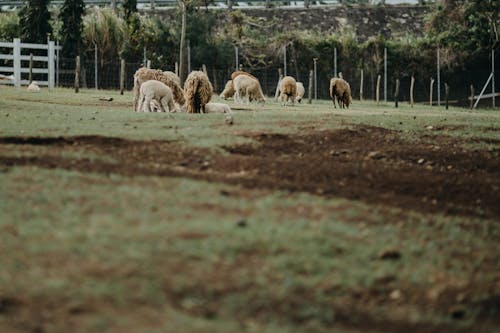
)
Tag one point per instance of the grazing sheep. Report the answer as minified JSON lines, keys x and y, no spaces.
{"x":145,"y":74}
{"x":300,"y":92}
{"x":340,"y":89}
{"x":217,"y":108}
{"x":228,"y":90}
{"x":172,"y":76}
{"x":246,"y":86}
{"x":159,"y":91}
{"x":288,"y":90}
{"x":33,"y":87}
{"x":237,"y":73}
{"x":197,"y":92}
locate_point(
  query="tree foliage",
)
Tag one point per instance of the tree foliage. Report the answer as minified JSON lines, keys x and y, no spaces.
{"x":465,"y":29}
{"x":34,"y":20}
{"x":71,"y":15}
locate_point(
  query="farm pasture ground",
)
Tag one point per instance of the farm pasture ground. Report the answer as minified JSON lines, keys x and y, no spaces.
{"x":305,"y":219}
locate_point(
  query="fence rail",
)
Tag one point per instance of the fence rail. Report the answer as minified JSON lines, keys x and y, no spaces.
{"x":46,"y":64}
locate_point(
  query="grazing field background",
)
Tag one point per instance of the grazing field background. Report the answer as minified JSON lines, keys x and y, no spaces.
{"x":304,"y":219}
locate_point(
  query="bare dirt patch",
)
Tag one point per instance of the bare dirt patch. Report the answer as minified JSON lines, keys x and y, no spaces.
{"x":375,"y":165}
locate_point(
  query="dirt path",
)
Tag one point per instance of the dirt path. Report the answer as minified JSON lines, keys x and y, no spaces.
{"x":375,"y":165}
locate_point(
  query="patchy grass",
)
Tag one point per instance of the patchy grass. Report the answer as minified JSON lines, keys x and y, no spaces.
{"x":106,"y":252}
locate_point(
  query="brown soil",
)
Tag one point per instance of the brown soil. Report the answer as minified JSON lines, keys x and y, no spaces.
{"x":375,"y":165}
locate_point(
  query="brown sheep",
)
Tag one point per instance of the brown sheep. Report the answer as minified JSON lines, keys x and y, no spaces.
{"x":288,"y":90}
{"x":228,"y":90}
{"x":197,"y":92}
{"x":340,"y":89}
{"x":246,"y":86}
{"x":145,"y":74}
{"x":235,"y":74}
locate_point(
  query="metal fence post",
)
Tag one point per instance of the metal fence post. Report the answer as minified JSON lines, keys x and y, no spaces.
{"x":95,"y":67}
{"x":438,"y":79}
{"x":17,"y":62}
{"x":385,"y":74}
{"x":493,"y":76}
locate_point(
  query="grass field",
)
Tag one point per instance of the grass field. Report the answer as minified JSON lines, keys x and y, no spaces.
{"x":305,"y":219}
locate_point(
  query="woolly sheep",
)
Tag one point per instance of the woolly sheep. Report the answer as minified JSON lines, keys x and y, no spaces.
{"x":249,"y":87}
{"x":300,"y":91}
{"x":159,"y":91}
{"x":197,"y":92}
{"x":238,"y":73}
{"x":340,"y":89}
{"x":33,"y":87}
{"x":228,"y":90}
{"x":145,"y":74}
{"x":288,"y":90}
{"x":220,"y":108}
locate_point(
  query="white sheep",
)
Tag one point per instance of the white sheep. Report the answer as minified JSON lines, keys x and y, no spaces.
{"x":220,"y":108}
{"x":33,"y":87}
{"x":288,"y":90}
{"x":245,"y":86}
{"x":159,"y":91}
{"x":300,"y":92}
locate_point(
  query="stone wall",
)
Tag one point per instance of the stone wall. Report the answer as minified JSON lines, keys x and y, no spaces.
{"x":364,"y":21}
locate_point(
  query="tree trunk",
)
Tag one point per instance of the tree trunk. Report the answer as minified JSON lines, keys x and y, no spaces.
{"x":182,"y":52}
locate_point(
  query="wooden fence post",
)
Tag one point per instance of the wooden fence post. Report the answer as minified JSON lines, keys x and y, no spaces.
{"x":148,"y":64}
{"x":311,"y":73}
{"x":361,"y":86}
{"x":31,"y":68}
{"x":17,"y":62}
{"x":176,"y":68}
{"x":280,"y":77}
{"x":122,"y":76}
{"x":446,"y":94}
{"x":396,"y":93}
{"x":412,"y":86}
{"x":471,"y":96}
{"x":377,"y":96}
{"x":51,"y":63}
{"x":77,"y":74}
{"x":431,"y":89}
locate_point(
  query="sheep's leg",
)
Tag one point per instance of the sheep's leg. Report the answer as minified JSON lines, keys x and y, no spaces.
{"x":140,"y":104}
{"x":147,"y":106}
{"x":171,"y":106}
{"x":165,"y":105}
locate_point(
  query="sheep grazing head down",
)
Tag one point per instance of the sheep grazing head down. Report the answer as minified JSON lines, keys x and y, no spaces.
{"x":197,"y":92}
{"x":228,"y":90}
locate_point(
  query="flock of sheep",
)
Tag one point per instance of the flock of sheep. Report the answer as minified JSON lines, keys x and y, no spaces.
{"x":155,"y":90}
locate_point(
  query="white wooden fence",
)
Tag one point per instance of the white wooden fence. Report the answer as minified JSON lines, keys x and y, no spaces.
{"x":21,"y":61}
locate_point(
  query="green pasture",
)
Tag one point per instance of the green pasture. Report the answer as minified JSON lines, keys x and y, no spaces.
{"x":88,"y":252}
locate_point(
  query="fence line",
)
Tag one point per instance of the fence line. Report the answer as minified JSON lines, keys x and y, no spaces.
{"x":15,"y":56}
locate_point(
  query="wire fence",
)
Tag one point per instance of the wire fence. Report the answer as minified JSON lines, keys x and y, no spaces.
{"x":108,"y":77}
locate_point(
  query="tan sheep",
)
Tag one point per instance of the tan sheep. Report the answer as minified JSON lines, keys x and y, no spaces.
{"x":288,"y":90}
{"x":237,"y":73}
{"x":300,"y":92}
{"x":228,"y":90}
{"x":197,"y":92}
{"x":155,"y":90}
{"x":145,"y":74}
{"x":340,"y":89}
{"x":33,"y":87}
{"x":249,"y":87}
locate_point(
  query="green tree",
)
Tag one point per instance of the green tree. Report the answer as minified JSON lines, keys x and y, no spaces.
{"x":129,"y":9}
{"x":34,"y":20}
{"x":71,"y":16}
{"x":465,"y":29}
